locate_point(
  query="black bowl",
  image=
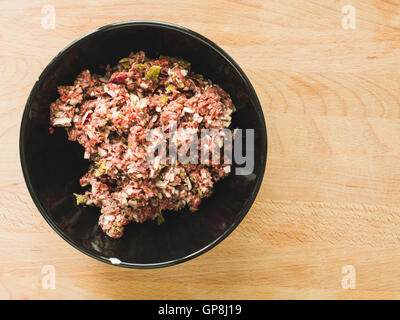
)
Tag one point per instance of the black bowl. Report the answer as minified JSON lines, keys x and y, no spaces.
{"x":52,"y":165}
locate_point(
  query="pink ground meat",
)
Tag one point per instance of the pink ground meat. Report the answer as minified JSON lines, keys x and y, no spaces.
{"x":111,"y":115}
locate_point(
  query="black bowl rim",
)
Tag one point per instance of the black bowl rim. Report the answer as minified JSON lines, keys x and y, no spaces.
{"x":214,"y":47}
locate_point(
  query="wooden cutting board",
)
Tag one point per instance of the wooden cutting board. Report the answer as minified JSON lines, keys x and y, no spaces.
{"x":326,"y":222}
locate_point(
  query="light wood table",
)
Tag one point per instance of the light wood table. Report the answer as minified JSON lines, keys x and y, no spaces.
{"x":330,"y":196}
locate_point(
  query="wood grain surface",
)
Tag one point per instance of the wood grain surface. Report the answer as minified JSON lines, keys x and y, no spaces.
{"x":330,"y":196}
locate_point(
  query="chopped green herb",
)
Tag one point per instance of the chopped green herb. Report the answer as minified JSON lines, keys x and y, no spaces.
{"x":160,"y":218}
{"x":170,"y":88}
{"x":141,"y":66}
{"x":200,"y":193}
{"x":100,"y":170}
{"x":197,"y":76}
{"x":184,"y":64}
{"x":80,"y":199}
{"x":164,"y":99}
{"x":153,"y":73}
{"x":124,"y":60}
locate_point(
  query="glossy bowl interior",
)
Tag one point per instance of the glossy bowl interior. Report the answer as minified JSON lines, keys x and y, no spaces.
{"x":52,"y":165}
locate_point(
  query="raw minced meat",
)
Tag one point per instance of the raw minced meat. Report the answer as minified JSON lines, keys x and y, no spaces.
{"x":111,"y":116}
